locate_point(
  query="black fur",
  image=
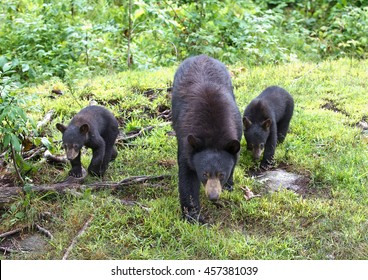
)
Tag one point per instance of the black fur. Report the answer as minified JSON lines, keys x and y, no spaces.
{"x":266,"y":122}
{"x":208,"y":128}
{"x":94,"y":127}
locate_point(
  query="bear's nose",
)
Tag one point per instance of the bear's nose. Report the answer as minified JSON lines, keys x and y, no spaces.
{"x":213,"y":196}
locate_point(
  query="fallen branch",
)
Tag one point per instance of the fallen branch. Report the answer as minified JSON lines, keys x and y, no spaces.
{"x":7,"y":194}
{"x":33,"y":153}
{"x":126,"y":182}
{"x":44,"y":231}
{"x":74,"y":241}
{"x":50,"y":158}
{"x":132,"y":203}
{"x":6,"y":234}
{"x":46,"y":119}
{"x":133,"y":135}
{"x":7,"y":250}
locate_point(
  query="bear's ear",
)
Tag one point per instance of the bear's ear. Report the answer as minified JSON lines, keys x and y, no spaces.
{"x":266,"y":124}
{"x":84,"y":128}
{"x":233,"y":147}
{"x":246,"y":122}
{"x":61,"y":127}
{"x":195,"y":142}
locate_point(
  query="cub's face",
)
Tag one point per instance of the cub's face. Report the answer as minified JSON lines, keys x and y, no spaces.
{"x":213,"y":169}
{"x":74,"y":138}
{"x":72,"y":150}
{"x":256,"y":135}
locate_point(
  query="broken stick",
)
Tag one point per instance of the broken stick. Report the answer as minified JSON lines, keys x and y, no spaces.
{"x":75,"y":239}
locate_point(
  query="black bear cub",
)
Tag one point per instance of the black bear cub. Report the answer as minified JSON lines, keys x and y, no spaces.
{"x":266,"y":122}
{"x":208,"y":128}
{"x":94,"y":127}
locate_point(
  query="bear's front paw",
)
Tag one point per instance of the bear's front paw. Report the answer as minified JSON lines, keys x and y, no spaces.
{"x":266,"y":165}
{"x":193,"y":216}
{"x":76,"y":172}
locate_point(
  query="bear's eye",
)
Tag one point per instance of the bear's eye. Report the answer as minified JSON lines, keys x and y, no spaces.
{"x":75,"y":146}
{"x":205,"y":176}
{"x":221,"y":176}
{"x":261,"y":146}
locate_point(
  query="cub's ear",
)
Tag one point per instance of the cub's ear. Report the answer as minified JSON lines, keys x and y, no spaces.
{"x":266,"y":124}
{"x":195,"y":142}
{"x":246,"y":122}
{"x":233,"y":147}
{"x":84,"y":128}
{"x":61,"y":127}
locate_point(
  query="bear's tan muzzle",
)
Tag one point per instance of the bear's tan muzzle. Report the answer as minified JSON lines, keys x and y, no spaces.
{"x":213,"y":189}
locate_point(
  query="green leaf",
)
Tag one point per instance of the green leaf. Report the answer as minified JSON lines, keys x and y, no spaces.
{"x":6,"y":140}
{"x":7,"y":66}
{"x":3,"y":60}
{"x":25,"y":67}
{"x":19,"y":215}
{"x":27,"y":188}
{"x":46,"y":143}
{"x":15,"y":143}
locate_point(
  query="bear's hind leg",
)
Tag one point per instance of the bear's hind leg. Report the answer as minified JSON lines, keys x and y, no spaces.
{"x":282,"y":130}
{"x":96,"y":166}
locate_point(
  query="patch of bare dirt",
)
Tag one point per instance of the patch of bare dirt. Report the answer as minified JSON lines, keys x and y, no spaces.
{"x":23,"y":243}
{"x":333,"y":106}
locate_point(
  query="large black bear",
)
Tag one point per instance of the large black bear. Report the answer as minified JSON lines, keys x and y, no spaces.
{"x":208,"y":128}
{"x":94,"y":127}
{"x":266,"y":122}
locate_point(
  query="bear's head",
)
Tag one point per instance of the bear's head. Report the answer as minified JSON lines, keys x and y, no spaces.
{"x":213,"y":166}
{"x":256,"y":135}
{"x":74,"y":138}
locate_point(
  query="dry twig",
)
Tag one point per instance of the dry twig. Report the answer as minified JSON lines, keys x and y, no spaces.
{"x":75,"y":239}
{"x":6,"y":234}
{"x":54,"y":159}
{"x":46,"y":119}
{"x":7,"y":250}
{"x":44,"y":231}
{"x":71,"y":183}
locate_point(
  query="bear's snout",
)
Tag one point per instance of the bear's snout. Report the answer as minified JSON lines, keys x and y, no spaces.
{"x":257,"y":152}
{"x":213,"y":189}
{"x":71,"y":154}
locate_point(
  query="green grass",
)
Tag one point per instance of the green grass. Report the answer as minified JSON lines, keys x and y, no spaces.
{"x":330,"y":221}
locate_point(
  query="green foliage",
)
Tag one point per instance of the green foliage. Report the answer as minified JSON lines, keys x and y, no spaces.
{"x":76,"y":38}
{"x":347,"y":32}
{"x":15,"y":124}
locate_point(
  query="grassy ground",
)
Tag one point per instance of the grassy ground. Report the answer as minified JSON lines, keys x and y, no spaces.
{"x":330,"y":221}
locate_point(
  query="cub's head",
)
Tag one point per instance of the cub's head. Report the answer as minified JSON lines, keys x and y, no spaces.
{"x":256,"y":135}
{"x":213,"y":167}
{"x":74,"y":138}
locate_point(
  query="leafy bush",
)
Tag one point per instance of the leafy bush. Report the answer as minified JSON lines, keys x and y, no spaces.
{"x":347,"y":33}
{"x":15,"y":125}
{"x":77,"y":38}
